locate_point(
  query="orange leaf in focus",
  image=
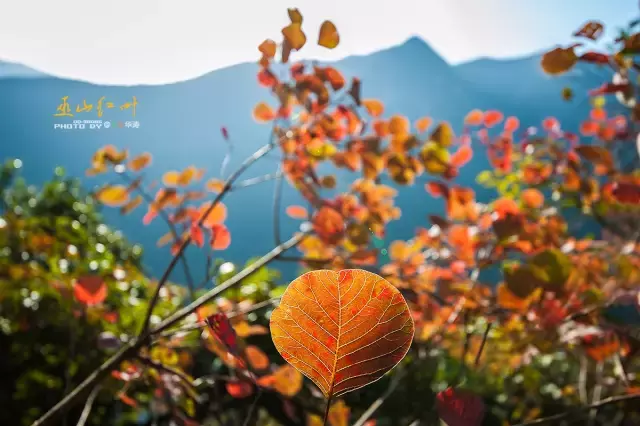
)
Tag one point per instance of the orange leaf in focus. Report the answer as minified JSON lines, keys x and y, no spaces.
{"x":239,"y":389}
{"x":328,"y":36}
{"x":90,"y":290}
{"x":342,"y":329}
{"x":263,"y":113}
{"x":297,"y":212}
{"x":374,"y":107}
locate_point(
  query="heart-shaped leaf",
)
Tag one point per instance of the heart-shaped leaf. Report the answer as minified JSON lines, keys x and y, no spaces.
{"x":343,"y":330}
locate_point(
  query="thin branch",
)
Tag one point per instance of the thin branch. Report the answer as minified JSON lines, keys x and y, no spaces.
{"x":599,"y":404}
{"x":89,"y":405}
{"x":126,"y":351}
{"x":582,"y":379}
{"x":378,"y":402}
{"x":277,"y":199}
{"x":227,"y":185}
{"x":482,"y":344}
{"x":159,"y":366}
{"x":597,"y":392}
{"x":256,"y":180}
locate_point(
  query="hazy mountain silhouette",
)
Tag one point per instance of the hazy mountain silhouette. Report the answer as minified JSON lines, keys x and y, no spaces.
{"x":180,"y":125}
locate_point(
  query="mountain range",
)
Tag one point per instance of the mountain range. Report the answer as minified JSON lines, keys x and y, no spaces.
{"x":180,"y":125}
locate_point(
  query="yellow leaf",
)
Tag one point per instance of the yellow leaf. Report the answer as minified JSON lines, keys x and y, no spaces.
{"x":113,"y":196}
{"x":294,"y":36}
{"x":288,"y":380}
{"x":374,"y":107}
{"x":294,"y":15}
{"x":140,"y":162}
{"x":328,"y":36}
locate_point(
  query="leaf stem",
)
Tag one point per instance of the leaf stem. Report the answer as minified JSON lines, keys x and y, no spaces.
{"x":326,"y":411}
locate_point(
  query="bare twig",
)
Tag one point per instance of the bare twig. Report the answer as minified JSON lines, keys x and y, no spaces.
{"x":597,"y":392}
{"x":599,"y":404}
{"x":130,"y":349}
{"x":84,"y":416}
{"x":395,"y":381}
{"x":482,"y":344}
{"x":582,"y":379}
{"x":227,"y":185}
{"x":277,"y":199}
{"x":159,"y":366}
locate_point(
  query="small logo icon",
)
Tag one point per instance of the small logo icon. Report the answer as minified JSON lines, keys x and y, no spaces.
{"x":107,"y":124}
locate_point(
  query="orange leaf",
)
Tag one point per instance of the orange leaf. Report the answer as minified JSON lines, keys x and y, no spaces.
{"x":140,"y":162}
{"x":297,"y":212}
{"x":294,"y":15}
{"x":398,"y":125}
{"x":374,"y":107}
{"x":422,"y":124}
{"x":508,"y":300}
{"x":532,"y":198}
{"x":462,"y":156}
{"x":328,"y":225}
{"x":215,"y":217}
{"x":215,"y":185}
{"x":342,"y":329}
{"x":511,"y":124}
{"x":256,"y":358}
{"x":131,"y":205}
{"x":491,"y":118}
{"x":90,"y":290}
{"x":263,"y":113}
{"x":328,"y":36}
{"x":288,"y":380}
{"x":474,"y":118}
{"x":268,"y":48}
{"x":294,"y":36}
{"x":113,"y":196}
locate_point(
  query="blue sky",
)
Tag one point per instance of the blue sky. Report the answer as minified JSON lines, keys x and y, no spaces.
{"x":160,"y":41}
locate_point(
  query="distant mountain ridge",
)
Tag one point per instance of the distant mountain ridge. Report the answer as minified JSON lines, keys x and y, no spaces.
{"x":180,"y":125}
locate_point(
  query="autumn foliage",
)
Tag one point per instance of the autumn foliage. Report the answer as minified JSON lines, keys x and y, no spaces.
{"x":418,"y":314}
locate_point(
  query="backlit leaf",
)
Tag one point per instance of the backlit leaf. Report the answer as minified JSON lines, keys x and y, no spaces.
{"x":268,"y":48}
{"x":458,"y":407}
{"x":90,"y":290}
{"x":140,"y":162}
{"x":443,"y":135}
{"x":294,"y":15}
{"x":113,"y":196}
{"x":295,"y":36}
{"x":221,"y":237}
{"x":374,"y":107}
{"x":328,"y":36}
{"x":131,"y":205}
{"x":288,"y":380}
{"x":263,"y":113}
{"x":256,"y":358}
{"x":343,"y":329}
{"x":239,"y":389}
{"x":591,"y":30}
{"x":297,"y":212}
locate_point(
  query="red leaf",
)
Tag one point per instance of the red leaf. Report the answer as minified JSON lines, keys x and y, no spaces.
{"x":239,"y":389}
{"x":595,"y":58}
{"x":220,"y":237}
{"x":460,"y":408}
{"x":437,"y":189}
{"x":491,"y":118}
{"x":197,"y":236}
{"x":511,"y":124}
{"x":225,"y":132}
{"x":627,"y":193}
{"x":90,"y":290}
{"x":221,"y":328}
{"x":462,"y":156}
{"x":297,"y":212}
{"x":551,"y":124}
{"x":608,"y":88}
